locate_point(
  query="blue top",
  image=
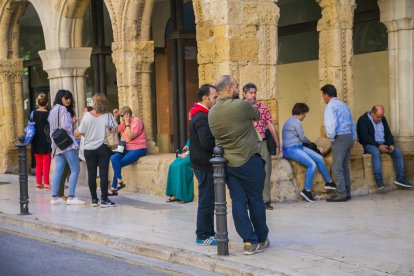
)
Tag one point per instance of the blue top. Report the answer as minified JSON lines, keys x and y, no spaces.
{"x":338,"y":119}
{"x":292,"y":133}
{"x":379,"y":130}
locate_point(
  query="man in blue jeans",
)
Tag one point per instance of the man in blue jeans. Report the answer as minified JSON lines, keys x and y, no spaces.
{"x":230,"y":121}
{"x":375,"y":136}
{"x":201,"y":150}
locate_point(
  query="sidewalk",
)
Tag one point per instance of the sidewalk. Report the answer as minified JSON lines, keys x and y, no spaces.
{"x":371,"y":235}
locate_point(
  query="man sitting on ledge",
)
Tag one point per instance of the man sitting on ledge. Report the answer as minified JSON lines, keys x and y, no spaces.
{"x":375,"y":136}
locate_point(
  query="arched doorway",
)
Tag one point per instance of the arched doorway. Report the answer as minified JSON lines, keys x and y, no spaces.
{"x":175,"y":71}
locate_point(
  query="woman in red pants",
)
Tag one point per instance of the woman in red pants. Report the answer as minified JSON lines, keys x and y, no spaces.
{"x":41,"y":144}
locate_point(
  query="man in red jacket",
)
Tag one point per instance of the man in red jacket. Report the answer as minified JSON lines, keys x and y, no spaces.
{"x":202,"y":144}
{"x":375,"y":136}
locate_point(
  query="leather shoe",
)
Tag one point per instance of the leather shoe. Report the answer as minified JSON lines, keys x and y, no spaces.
{"x":348,"y":197}
{"x":268,"y":206}
{"x":337,"y":199}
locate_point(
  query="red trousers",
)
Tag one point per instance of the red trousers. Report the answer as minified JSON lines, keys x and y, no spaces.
{"x":43,"y":168}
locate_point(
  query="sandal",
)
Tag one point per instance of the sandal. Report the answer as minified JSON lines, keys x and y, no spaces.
{"x":120,"y":186}
{"x":172,"y":199}
{"x":39,"y":187}
{"x":112,"y":192}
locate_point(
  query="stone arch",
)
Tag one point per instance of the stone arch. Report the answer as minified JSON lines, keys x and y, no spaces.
{"x":136,"y":20}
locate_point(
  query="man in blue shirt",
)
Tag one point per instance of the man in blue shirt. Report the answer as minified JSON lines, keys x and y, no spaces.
{"x":375,"y":136}
{"x":340,"y":129}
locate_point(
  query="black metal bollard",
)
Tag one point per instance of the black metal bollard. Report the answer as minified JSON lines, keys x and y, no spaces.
{"x":24,"y":193}
{"x":219,"y":162}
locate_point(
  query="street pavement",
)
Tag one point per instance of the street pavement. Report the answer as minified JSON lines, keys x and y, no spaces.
{"x":370,"y":235}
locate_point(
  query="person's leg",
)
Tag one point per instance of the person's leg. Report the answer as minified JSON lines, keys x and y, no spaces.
{"x":129,"y":158}
{"x":252,"y":176}
{"x":239,"y":207}
{"x":347,"y":174}
{"x":46,"y":168}
{"x":339,"y":151}
{"x":320,"y":163}
{"x":104,"y":154}
{"x":264,"y":152}
{"x":205,"y":210}
{"x":116,"y":166}
{"x":63,"y":179}
{"x":376,"y":163}
{"x":398,"y":160}
{"x":300,"y":156}
{"x":39,"y":170}
{"x":73,"y":161}
{"x":57,"y":174}
{"x":91,"y":158}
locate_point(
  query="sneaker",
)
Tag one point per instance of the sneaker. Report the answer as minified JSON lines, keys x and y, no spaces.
{"x":95,"y":203}
{"x":251,"y":248}
{"x":74,"y":201}
{"x":107,"y":203}
{"x":307,"y":195}
{"x":265,"y":244}
{"x":380,"y":187}
{"x":57,"y":201}
{"x":330,"y":186}
{"x":404,"y":183}
{"x":210,"y":241}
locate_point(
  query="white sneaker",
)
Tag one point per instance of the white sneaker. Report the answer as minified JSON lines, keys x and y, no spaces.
{"x":59,"y":200}
{"x":75,"y":201}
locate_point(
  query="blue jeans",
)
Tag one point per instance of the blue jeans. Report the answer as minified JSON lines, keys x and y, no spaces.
{"x":246,"y":191}
{"x":310,"y":160}
{"x":70,"y":156}
{"x":120,"y":160}
{"x":397,"y":159}
{"x":205,"y":210}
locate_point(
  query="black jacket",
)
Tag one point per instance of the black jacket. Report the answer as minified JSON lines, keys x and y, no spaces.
{"x":366,"y":132}
{"x":201,"y":142}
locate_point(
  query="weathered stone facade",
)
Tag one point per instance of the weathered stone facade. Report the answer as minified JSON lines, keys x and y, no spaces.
{"x":237,"y":37}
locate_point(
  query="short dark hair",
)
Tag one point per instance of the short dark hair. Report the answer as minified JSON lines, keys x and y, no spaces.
{"x":42,"y":99}
{"x":300,"y":108}
{"x":329,"y":90}
{"x":204,"y":90}
{"x":249,"y":86}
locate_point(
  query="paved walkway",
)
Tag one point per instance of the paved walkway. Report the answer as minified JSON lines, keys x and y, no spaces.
{"x":371,"y":235}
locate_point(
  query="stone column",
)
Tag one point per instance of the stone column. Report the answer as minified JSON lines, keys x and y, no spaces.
{"x":133,"y":61}
{"x":239,"y":38}
{"x":66,"y":70}
{"x":398,"y":17}
{"x":11,"y":112}
{"x":335,"y":47}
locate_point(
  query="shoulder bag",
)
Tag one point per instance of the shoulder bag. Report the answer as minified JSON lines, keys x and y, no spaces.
{"x":111,"y":135}
{"x":60,"y":136}
{"x":271,"y":144}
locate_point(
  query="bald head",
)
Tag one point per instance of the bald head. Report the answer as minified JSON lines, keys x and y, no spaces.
{"x":227,"y":86}
{"x":377,"y":112}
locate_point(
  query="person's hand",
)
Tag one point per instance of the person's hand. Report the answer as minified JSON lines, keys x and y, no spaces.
{"x":127,"y":118}
{"x":77,"y":134}
{"x":391,"y":148}
{"x":383,"y":148}
{"x":185,"y":148}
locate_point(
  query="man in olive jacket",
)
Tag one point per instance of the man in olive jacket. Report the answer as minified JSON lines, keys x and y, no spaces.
{"x":201,"y":150}
{"x":375,"y":136}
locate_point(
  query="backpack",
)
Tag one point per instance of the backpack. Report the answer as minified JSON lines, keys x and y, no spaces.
{"x":30,"y":129}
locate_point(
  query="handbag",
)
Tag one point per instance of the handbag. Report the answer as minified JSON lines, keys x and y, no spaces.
{"x":111,"y":135}
{"x":271,"y":144}
{"x":30,"y":130}
{"x":313,"y":147}
{"x":60,"y":136}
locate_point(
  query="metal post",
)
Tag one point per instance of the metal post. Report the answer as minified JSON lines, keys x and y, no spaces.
{"x":24,"y":193}
{"x":219,"y":162}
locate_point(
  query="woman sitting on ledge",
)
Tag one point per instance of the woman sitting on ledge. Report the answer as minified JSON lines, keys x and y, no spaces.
{"x":133,"y":133}
{"x":293,"y":137}
{"x":180,"y":181}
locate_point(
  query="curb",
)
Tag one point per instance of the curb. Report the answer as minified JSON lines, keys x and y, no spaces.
{"x":156,"y":251}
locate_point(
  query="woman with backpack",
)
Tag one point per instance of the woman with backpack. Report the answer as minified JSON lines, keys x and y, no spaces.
{"x":64,"y":146}
{"x":41,"y":143}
